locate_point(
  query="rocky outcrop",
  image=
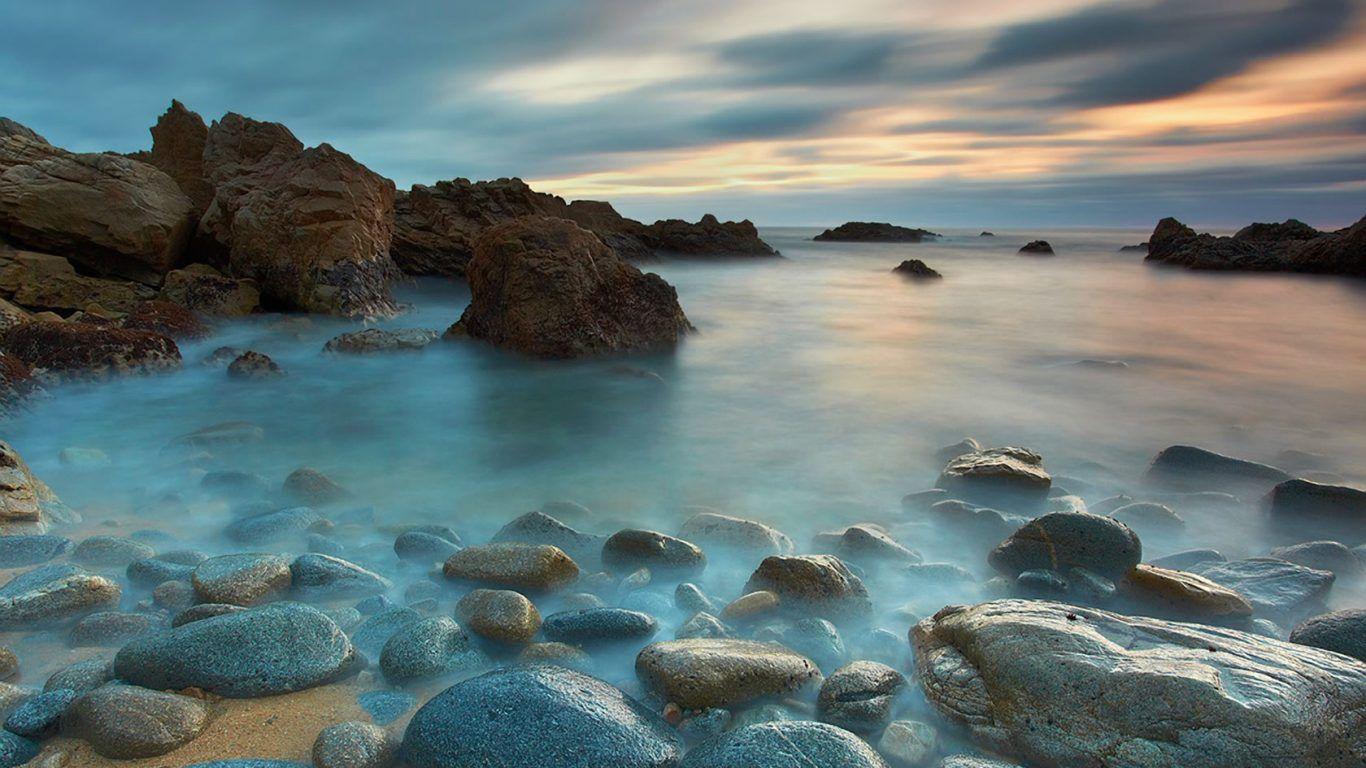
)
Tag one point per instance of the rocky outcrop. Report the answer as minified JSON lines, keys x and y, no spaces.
{"x":66,"y":350}
{"x":178,"y":141}
{"x":917,"y":269}
{"x":1291,"y":246}
{"x":22,"y":495}
{"x":43,"y":282}
{"x":167,"y":319}
{"x":874,"y":232}
{"x":546,"y":287}
{"x":708,"y":237}
{"x":203,"y":289}
{"x":311,"y":226}
{"x":113,"y":215}
{"x":1072,"y":687}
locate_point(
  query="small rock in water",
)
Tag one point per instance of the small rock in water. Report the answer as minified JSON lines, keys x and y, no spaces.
{"x":599,"y":625}
{"x":16,"y":750}
{"x":1009,"y":476}
{"x":82,"y":676}
{"x":1278,"y":590}
{"x":83,"y":458}
{"x":372,"y":340}
{"x":1187,"y":468}
{"x":915,"y":268}
{"x":110,"y":551}
{"x":53,"y":595}
{"x":500,"y":615}
{"x":244,"y":579}
{"x":1183,"y":560}
{"x":269,"y":527}
{"x":1037,"y":248}
{"x":689,"y":598}
{"x":309,"y":487}
{"x":1063,"y":540}
{"x":908,"y":743}
{"x":703,"y":624}
{"x":222,"y":356}
{"x":1149,"y":517}
{"x":784,"y":745}
{"x":520,"y":566}
{"x":353,"y":745}
{"x":375,"y":631}
{"x":324,"y":575}
{"x":1329,"y":556}
{"x":124,"y":721}
{"x":428,"y":648}
{"x":423,"y":547}
{"x":167,"y":566}
{"x":859,"y":696}
{"x":1301,"y":510}
{"x":19,"y":551}
{"x":736,"y":535}
{"x":111,"y":628}
{"x":629,"y":549}
{"x":384,"y":707}
{"x":818,"y":584}
{"x":1340,"y":631}
{"x":204,"y":611}
{"x":540,"y":528}
{"x":751,"y":606}
{"x":254,"y":365}
{"x":701,"y":673}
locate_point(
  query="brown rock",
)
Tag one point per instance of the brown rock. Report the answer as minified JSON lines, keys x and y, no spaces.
{"x":699,"y":673}
{"x":500,"y":615}
{"x":22,"y":495}
{"x":546,"y":287}
{"x":311,"y":226}
{"x":112,"y":214}
{"x":874,"y":232}
{"x":178,"y":141}
{"x":307,"y":485}
{"x":254,"y":365}
{"x":519,"y":566}
{"x":166,"y":319}
{"x":1182,"y":595}
{"x":41,"y":281}
{"x":16,"y":382}
{"x":203,"y":289}
{"x":708,"y":237}
{"x":81,"y":350}
{"x":819,"y":584}
{"x":1291,"y":246}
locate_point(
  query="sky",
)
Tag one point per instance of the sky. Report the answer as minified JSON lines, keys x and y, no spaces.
{"x":949,"y":113}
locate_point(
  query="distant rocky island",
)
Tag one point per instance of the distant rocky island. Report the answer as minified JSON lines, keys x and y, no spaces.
{"x":1290,"y":246}
{"x":873,"y":232}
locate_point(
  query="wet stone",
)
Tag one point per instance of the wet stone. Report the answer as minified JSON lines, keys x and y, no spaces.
{"x":111,"y":628}
{"x":428,"y":648}
{"x":110,"y":551}
{"x":20,"y":551}
{"x":499,"y":615}
{"x":40,"y":716}
{"x":124,"y":721}
{"x":324,"y":575}
{"x":353,"y":745}
{"x":790,"y":744}
{"x":859,"y":696}
{"x":599,"y":625}
{"x":244,"y":579}
{"x":629,"y":549}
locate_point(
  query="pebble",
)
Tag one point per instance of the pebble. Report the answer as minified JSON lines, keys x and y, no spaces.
{"x":124,"y":721}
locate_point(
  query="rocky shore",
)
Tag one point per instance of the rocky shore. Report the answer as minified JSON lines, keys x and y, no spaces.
{"x":874,"y":232}
{"x":1291,"y":246}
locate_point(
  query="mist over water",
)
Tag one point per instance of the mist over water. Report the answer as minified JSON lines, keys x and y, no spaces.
{"x":814,"y":394}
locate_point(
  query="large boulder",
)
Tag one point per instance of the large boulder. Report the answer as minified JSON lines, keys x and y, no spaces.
{"x":1341,"y":631}
{"x":1062,"y":541}
{"x":698,"y":673}
{"x":1009,"y":476}
{"x":278,"y":648}
{"x":548,"y":288}
{"x":66,"y":350}
{"x":708,"y":237}
{"x":1277,"y":589}
{"x":1073,"y":687}
{"x":203,"y":289}
{"x":111,"y":214}
{"x":311,"y":226}
{"x":41,"y":281}
{"x":1188,"y":468}
{"x":821,"y":585}
{"x":785,"y":744}
{"x":1291,"y":246}
{"x":874,"y":232}
{"x":539,"y":716}
{"x":1301,"y":510}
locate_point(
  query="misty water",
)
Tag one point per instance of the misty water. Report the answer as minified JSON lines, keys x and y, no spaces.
{"x":814,"y":394}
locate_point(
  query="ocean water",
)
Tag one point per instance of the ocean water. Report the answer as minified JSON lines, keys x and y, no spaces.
{"x":813,"y":395}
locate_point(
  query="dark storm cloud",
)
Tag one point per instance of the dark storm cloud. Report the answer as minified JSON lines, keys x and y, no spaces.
{"x":812,"y":58}
{"x":1144,"y":52}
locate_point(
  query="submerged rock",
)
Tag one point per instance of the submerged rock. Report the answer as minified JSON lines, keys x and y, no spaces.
{"x":68,"y":350}
{"x":1301,"y":510}
{"x":1188,"y":468}
{"x":540,"y":528}
{"x":542,"y":716}
{"x":1037,"y":248}
{"x":818,"y":584}
{"x":1291,"y":246}
{"x":736,"y":535}
{"x":790,"y":744}
{"x":278,"y":648}
{"x":254,"y":365}
{"x":1067,"y":686}
{"x":698,"y":673}
{"x":599,"y":625}
{"x":1064,"y":540}
{"x":917,"y":269}
{"x":372,"y":340}
{"x":545,"y":287}
{"x":327,"y":576}
{"x":1330,"y":556}
{"x":633,"y":548}
{"x":874,"y":232}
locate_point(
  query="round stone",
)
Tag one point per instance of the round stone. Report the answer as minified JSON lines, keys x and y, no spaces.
{"x":519,"y":566}
{"x":788,"y":744}
{"x":428,"y":648}
{"x":500,"y":615}
{"x":244,"y":579}
{"x":353,"y":745}
{"x":124,"y":721}
{"x":700,"y":673}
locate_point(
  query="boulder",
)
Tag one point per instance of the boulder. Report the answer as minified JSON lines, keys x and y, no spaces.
{"x":1301,"y":510}
{"x":178,"y":141}
{"x":1064,"y":540}
{"x":125,"y":721}
{"x":110,"y":551}
{"x":735,"y":535}
{"x":311,"y":226}
{"x":698,"y":673}
{"x":428,"y":648}
{"x":1291,"y":246}
{"x":277,"y":648}
{"x":869,"y":545}
{"x":65,"y":350}
{"x":371,"y":340}
{"x":546,"y":287}
{"x":167,"y":319}
{"x":43,"y":282}
{"x":633,"y":548}
{"x":917,"y":269}
{"x":708,"y":237}
{"x":538,"y":716}
{"x":1012,"y":476}
{"x":307,"y":485}
{"x":40,"y":715}
{"x":270,"y":527}
{"x":500,"y":615}
{"x":111,"y":628}
{"x":1278,"y":590}
{"x":540,"y":528}
{"x":788,"y":744}
{"x":519,"y":566}
{"x":859,"y":696}
{"x":1175,"y":594}
{"x":423,"y":547}
{"x":1330,"y":556}
{"x":318,"y":575}
{"x":1065,"y":686}
{"x":1188,"y":468}
{"x":908,"y":743}
{"x":53,"y":595}
{"x":113,"y":215}
{"x":1037,"y":248}
{"x":176,"y":565}
{"x":874,"y":232}
{"x":1341,"y":631}
{"x":203,"y":289}
{"x":821,"y":585}
{"x":32,"y":549}
{"x":243,"y":579}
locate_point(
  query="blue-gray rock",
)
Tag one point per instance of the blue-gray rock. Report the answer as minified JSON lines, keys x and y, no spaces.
{"x":375,"y":604}
{"x":125,"y":721}
{"x":234,"y":484}
{"x":167,"y":566}
{"x":1060,"y":685}
{"x":736,"y":536}
{"x":689,"y":598}
{"x":278,"y":648}
{"x":53,"y":595}
{"x":647,"y":601}
{"x":111,"y":628}
{"x":1301,"y":510}
{"x":250,"y":762}
{"x":323,"y":575}
{"x":1340,"y":631}
{"x":428,"y":648}
{"x":785,"y":744}
{"x":1038,"y":582}
{"x":1064,"y":540}
{"x":370,"y":637}
{"x":816,"y":639}
{"x":203,"y":611}
{"x":972,"y":761}
{"x":540,"y":528}
{"x":423,"y":547}
{"x":1183,"y":560}
{"x":19,"y":551}
{"x":15,"y":750}
{"x":537,"y":717}
{"x":385,"y":707}
{"x":110,"y":551}
{"x":319,"y":544}
{"x":353,"y":745}
{"x":632,"y":548}
{"x":599,"y":625}
{"x":40,"y":716}
{"x":859,"y":696}
{"x":81,"y":676}
{"x":274,"y":526}
{"x":1330,"y":556}
{"x":1277,"y":589}
{"x":242,"y":578}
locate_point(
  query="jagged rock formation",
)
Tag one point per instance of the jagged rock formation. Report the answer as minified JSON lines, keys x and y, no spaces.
{"x":1291,"y":246}
{"x":874,"y":232}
